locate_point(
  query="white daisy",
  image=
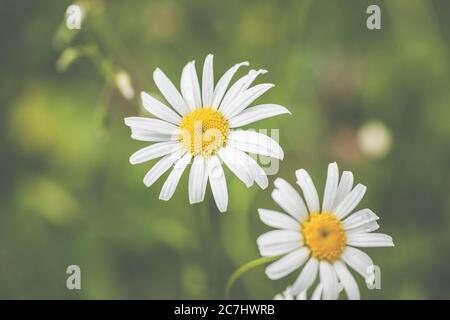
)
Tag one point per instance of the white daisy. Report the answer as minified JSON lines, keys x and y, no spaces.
{"x":199,"y":126}
{"x":323,"y":240}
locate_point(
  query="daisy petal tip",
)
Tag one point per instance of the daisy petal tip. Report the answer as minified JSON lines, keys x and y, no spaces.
{"x":127,"y":121}
{"x":261,"y":251}
{"x":144,"y":95}
{"x":279,"y":155}
{"x":274,"y":192}
{"x":261,"y":213}
{"x":132,"y":161}
{"x":164,"y":198}
{"x":391,"y":244}
{"x":258,"y":240}
{"x":248,"y":184}
{"x":277,"y":182}
{"x":299,"y":173}
{"x":194,"y":201}
{"x":286,"y":110}
{"x":361,"y":186}
{"x":266,"y":255}
{"x":270,"y":275}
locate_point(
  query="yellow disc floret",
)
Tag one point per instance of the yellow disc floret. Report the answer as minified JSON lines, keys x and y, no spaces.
{"x":324,"y":234}
{"x":204,"y":131}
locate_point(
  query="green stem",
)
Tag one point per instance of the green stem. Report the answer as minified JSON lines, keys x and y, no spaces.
{"x":244,"y":268}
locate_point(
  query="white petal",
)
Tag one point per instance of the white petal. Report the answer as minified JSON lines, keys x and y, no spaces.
{"x":306,"y":277}
{"x":368,"y":227}
{"x":152,"y":125}
{"x":344,"y":188}
{"x":347,"y":280}
{"x":255,"y":142}
{"x":278,"y":220}
{"x":309,"y":190}
{"x":154,"y":151}
{"x":279,"y":296}
{"x":287,"y":264}
{"x":218,"y":183}
{"x":190,"y":87}
{"x":170,"y":92}
{"x":238,"y":87}
{"x":358,"y":260}
{"x":256,"y":172}
{"x":331,"y":186}
{"x":198,"y":179}
{"x":150,"y":136}
{"x":245,"y":99}
{"x":252,"y":75}
{"x":289,"y":199}
{"x":278,"y":242}
{"x":350,"y":201}
{"x":159,"y":109}
{"x":223,"y":83}
{"x":359,"y":218}
{"x":368,"y":240}
{"x":285,"y":295}
{"x":236,"y":165}
{"x":160,"y":167}
{"x":361,"y":221}
{"x":302,"y":296}
{"x":329,"y":281}
{"x":171,"y":183}
{"x":317,"y":294}
{"x":256,"y":113}
{"x":208,"y":81}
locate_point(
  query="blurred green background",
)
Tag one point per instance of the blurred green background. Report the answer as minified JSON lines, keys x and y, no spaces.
{"x":377,"y":102}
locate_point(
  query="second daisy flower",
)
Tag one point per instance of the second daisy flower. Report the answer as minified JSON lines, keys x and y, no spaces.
{"x":321,"y":239}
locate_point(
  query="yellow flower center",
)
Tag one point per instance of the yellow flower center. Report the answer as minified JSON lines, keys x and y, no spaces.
{"x":204,"y":131}
{"x":324,"y":234}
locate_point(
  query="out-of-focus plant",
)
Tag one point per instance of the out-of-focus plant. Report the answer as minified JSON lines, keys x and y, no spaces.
{"x":85,"y":42}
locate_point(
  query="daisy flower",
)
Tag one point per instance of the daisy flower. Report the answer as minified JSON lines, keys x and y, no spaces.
{"x":323,"y":241}
{"x":200,"y":126}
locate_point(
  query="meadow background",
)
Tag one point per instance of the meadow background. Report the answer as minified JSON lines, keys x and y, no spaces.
{"x":68,"y":194}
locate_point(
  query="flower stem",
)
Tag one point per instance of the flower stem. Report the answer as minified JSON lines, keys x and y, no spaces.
{"x":244,"y":268}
